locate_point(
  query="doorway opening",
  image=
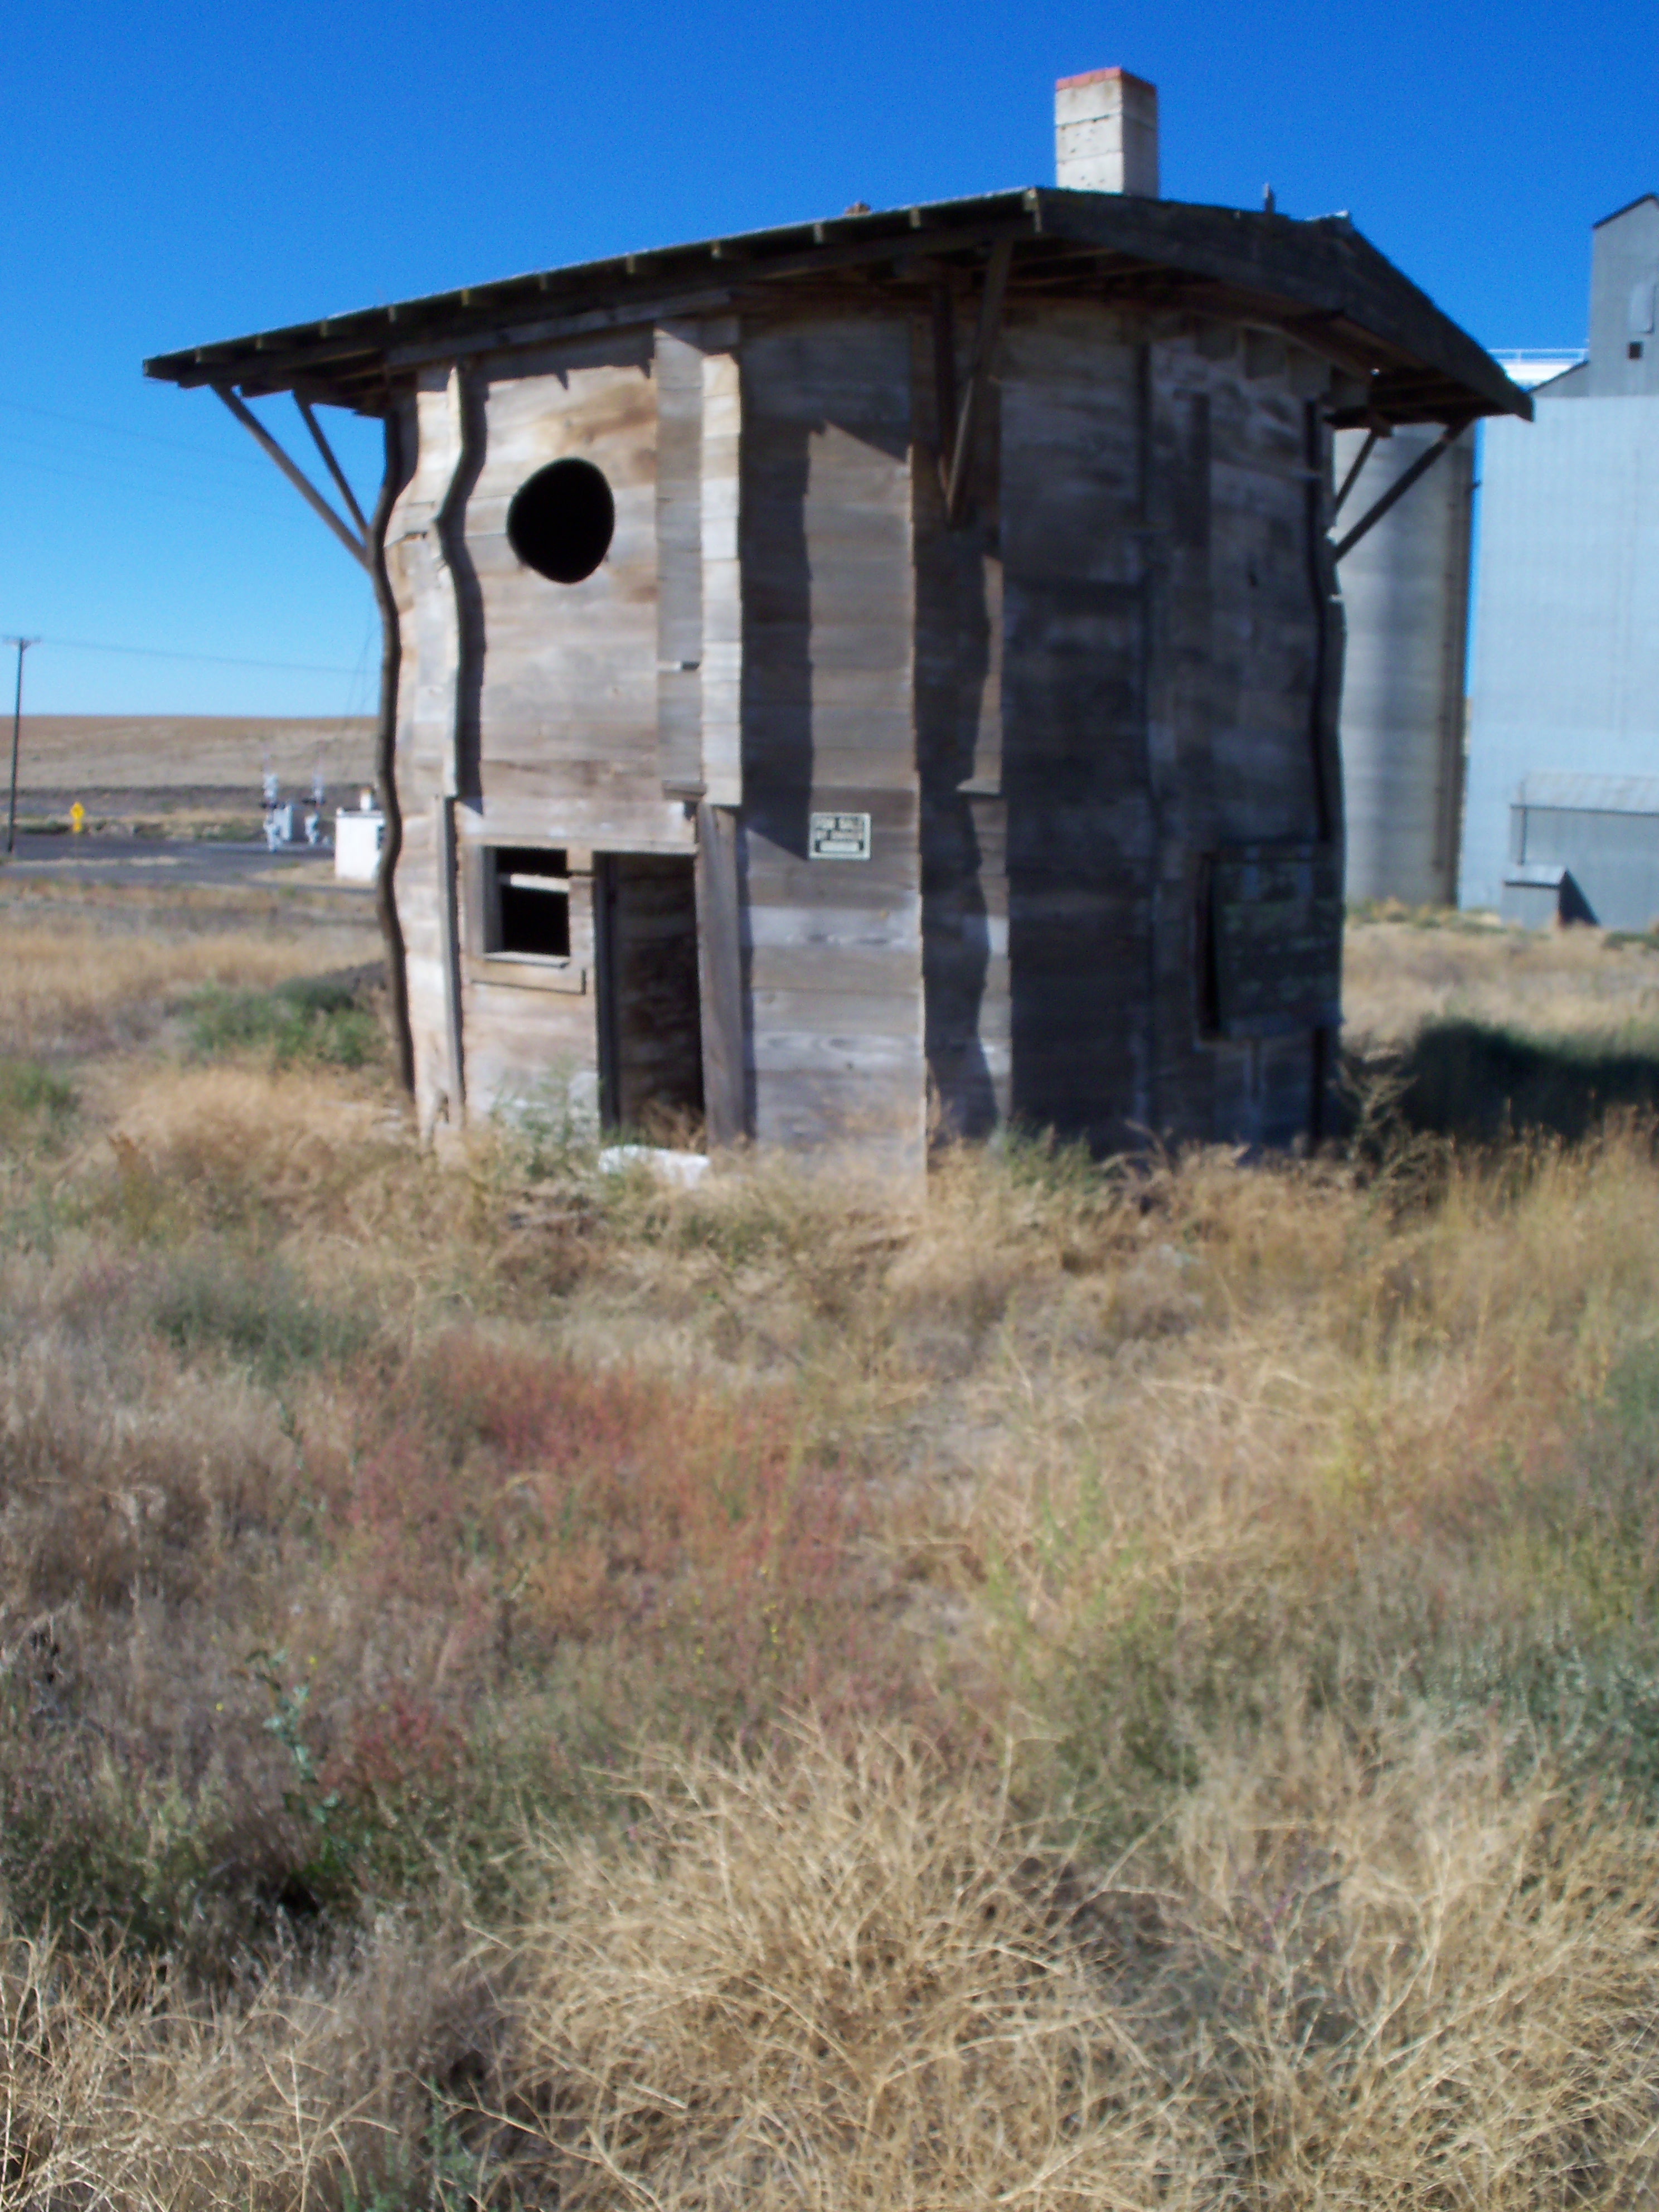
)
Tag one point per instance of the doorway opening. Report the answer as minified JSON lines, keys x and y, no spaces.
{"x":650,"y":1013}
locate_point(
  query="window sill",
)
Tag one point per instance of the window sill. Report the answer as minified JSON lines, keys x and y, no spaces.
{"x":527,"y":971}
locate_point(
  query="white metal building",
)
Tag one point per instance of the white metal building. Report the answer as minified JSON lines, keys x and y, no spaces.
{"x":1566,"y":659}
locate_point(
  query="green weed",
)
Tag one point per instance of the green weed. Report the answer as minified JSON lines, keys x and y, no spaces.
{"x":90,"y":1847}
{"x":255,"y":1312}
{"x":36,"y":1105}
{"x":321,"y":1020}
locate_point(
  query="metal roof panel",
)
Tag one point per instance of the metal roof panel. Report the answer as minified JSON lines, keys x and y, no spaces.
{"x":1568,"y":792}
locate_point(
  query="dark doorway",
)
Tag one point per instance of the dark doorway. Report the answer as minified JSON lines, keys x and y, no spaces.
{"x":650,"y":1019}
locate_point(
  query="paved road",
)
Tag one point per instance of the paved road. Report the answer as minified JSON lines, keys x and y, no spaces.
{"x":157,"y":861}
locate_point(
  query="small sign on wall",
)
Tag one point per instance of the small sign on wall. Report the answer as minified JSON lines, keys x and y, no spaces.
{"x":838,"y":837}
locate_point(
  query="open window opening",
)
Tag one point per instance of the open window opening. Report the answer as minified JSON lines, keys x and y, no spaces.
{"x":527,"y":904}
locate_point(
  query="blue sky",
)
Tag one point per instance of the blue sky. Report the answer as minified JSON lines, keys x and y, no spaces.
{"x":177,"y":172}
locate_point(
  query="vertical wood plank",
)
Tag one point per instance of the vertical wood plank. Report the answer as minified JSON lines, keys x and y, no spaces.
{"x":679,"y":367}
{"x":1179,"y":504}
{"x":958,"y":725}
{"x":830,"y":725}
{"x":722,"y":580}
{"x":720,"y":953}
{"x":449,"y":916}
{"x":423,"y":589}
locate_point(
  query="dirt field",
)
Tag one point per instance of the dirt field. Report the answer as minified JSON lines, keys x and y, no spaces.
{"x":182,"y":766}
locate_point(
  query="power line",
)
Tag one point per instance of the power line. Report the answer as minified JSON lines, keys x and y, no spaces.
{"x":195,"y":492}
{"x":217,"y":659}
{"x":120,"y":430}
{"x":22,"y":645}
{"x":115,"y":478}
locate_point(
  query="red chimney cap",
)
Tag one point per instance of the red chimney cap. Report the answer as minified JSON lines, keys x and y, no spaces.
{"x":1094,"y":76}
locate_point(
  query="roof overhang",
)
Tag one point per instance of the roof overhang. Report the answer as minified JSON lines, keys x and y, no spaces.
{"x":1320,"y":282}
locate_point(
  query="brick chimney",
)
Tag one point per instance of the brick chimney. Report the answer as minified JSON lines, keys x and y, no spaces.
{"x":1106,"y":133}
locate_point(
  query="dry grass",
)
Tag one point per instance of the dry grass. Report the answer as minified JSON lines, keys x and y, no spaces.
{"x":1402,"y":970}
{"x":84,"y":975}
{"x":830,"y":1980}
{"x":842,"y":1975}
{"x":311,"y":2087}
{"x":843,"y":1979}
{"x":1129,"y":1686}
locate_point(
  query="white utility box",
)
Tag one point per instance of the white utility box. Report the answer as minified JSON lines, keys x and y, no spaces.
{"x":358,"y":837}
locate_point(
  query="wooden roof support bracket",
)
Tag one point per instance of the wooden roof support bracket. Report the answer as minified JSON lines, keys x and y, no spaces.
{"x":1402,"y":484}
{"x":332,"y":465}
{"x":945,"y":381}
{"x":309,"y":492}
{"x":979,"y":371}
{"x":1353,"y":476}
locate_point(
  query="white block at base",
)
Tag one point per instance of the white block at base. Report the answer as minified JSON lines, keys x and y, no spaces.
{"x":358,"y":837}
{"x":682,"y":1170}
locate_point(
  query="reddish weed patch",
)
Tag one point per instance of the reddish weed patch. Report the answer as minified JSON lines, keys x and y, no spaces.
{"x":591,"y":1507}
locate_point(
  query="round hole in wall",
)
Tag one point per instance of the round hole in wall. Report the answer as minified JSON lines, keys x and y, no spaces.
{"x":562,"y":521}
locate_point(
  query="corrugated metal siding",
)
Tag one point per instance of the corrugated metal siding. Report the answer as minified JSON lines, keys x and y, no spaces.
{"x":1591,"y":795}
{"x":1566,"y":676}
{"x":1612,"y":856}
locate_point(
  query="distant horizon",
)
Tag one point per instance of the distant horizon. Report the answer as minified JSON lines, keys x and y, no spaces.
{"x":167,"y":715}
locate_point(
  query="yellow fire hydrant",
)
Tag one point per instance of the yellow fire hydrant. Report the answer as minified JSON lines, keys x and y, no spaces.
{"x":77,"y":818}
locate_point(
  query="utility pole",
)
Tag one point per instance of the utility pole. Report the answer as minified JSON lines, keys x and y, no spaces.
{"x":22,"y":645}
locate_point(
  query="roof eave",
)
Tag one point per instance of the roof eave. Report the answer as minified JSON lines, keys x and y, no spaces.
{"x":1321,"y":281}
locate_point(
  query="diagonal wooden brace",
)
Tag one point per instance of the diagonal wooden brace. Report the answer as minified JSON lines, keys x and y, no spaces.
{"x":301,"y":483}
{"x":1402,"y":484}
{"x":979,"y":373}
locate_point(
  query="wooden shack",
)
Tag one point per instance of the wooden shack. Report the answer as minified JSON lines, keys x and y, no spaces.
{"x":877,"y":676}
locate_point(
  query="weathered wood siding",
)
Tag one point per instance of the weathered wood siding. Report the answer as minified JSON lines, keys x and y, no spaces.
{"x":722,"y":567}
{"x":1253,"y":676}
{"x":532,"y":712}
{"x":679,"y":563}
{"x":568,"y":687}
{"x":417,"y":562}
{"x":1161,"y":688}
{"x":958,"y":721}
{"x":1081,"y":833}
{"x":832,"y":948}
{"x":1122,"y":662}
{"x":567,"y":706}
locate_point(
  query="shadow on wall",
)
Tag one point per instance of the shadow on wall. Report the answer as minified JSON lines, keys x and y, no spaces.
{"x":1479,"y":1084}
